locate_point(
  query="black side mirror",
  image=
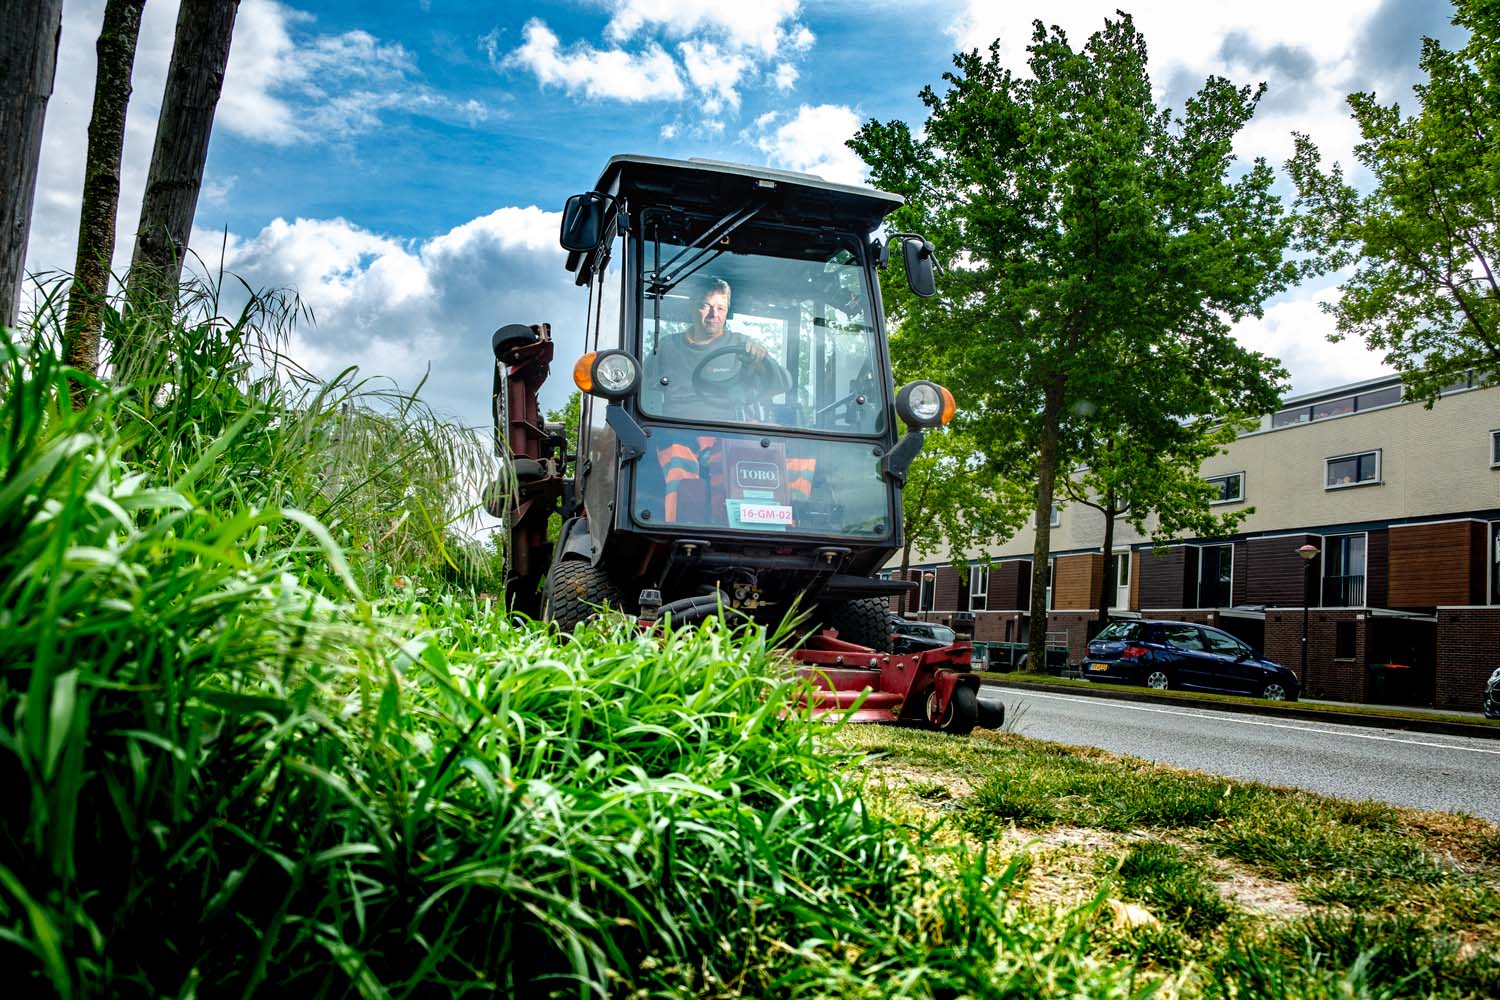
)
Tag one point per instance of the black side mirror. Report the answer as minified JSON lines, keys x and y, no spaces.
{"x":917,"y":254}
{"x":583,"y":221}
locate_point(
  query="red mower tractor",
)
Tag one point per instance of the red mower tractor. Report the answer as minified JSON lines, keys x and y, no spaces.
{"x":739,"y":444}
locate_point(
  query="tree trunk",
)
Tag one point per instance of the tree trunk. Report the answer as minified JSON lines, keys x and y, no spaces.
{"x":1107,"y":586}
{"x":200,"y":51}
{"x":101,"y":181}
{"x":1046,"y":481}
{"x":30,"y":31}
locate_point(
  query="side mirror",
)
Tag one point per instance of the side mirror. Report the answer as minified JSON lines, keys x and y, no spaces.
{"x":583,"y":221}
{"x":917,"y":254}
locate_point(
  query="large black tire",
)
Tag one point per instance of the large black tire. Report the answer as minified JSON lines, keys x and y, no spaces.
{"x":575,"y":591}
{"x":865,"y":622}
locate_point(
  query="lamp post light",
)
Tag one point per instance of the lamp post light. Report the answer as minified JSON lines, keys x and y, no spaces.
{"x":1308,"y":554}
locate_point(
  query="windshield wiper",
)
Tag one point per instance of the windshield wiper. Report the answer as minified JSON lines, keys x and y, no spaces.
{"x":665,"y":278}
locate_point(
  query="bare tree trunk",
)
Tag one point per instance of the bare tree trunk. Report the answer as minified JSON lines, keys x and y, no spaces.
{"x":1107,"y":584}
{"x":101,"y":180}
{"x":1046,"y":481}
{"x":200,"y":51}
{"x":30,"y":31}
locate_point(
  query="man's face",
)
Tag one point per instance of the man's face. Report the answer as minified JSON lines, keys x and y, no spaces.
{"x":711,"y":313}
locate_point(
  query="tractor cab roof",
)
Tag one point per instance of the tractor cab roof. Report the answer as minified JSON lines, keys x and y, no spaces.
{"x":714,"y":187}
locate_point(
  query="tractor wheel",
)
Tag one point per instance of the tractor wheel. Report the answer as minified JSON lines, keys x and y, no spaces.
{"x":864,"y":623}
{"x":577,"y":590}
{"x":962,"y":714}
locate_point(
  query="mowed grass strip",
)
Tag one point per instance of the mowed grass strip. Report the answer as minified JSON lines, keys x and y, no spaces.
{"x":1373,"y":900}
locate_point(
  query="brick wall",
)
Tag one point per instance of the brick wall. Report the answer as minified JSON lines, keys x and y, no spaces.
{"x":1468,"y":651}
{"x":1327,"y":677}
{"x":1010,"y":585}
{"x":1274,"y":573}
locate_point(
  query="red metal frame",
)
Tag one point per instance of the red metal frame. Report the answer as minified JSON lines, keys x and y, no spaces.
{"x":895,"y":687}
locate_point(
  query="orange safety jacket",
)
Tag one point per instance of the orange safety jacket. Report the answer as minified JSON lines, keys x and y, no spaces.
{"x":679,"y":463}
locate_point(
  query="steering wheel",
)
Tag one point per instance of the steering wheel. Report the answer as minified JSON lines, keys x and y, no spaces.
{"x":747,"y":379}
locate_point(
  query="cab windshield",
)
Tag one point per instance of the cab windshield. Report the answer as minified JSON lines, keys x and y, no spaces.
{"x":771,"y":327}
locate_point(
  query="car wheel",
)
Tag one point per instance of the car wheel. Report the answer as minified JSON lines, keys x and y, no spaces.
{"x":1273,"y":691}
{"x":1491,"y":711}
{"x":1158,"y":680}
{"x":962,"y":714}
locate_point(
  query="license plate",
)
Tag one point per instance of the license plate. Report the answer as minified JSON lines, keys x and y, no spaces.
{"x":1098,"y":666}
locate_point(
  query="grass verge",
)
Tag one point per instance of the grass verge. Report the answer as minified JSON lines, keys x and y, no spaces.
{"x":1239,"y":889}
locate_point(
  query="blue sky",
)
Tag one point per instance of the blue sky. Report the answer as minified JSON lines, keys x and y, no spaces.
{"x":401,"y":163}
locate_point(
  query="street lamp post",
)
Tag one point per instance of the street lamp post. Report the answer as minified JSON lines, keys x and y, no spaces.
{"x":1308,"y":554}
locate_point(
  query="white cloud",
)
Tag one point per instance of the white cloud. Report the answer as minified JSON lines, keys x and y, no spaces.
{"x":714,"y":72}
{"x":721,"y":47}
{"x":606,"y":73}
{"x":813,"y":142}
{"x":281,"y":91}
{"x":1295,"y":331}
{"x":1307,"y":53}
{"x":761,"y":27}
{"x":424,"y":308}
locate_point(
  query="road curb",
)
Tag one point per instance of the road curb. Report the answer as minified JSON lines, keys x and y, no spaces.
{"x":1278,"y":710}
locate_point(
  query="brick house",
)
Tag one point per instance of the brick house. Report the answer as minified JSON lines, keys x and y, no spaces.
{"x":1400,"y":504}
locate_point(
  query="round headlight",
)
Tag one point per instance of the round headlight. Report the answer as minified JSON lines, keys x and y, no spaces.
{"x":924,"y":404}
{"x":616,"y":374}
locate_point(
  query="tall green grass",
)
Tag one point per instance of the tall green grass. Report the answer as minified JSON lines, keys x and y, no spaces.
{"x":260,"y":737}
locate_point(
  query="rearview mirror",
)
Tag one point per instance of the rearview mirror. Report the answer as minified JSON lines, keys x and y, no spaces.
{"x":583,"y":221}
{"x":917,"y":254}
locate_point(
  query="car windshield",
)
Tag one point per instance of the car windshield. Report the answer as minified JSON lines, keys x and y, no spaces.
{"x":943,"y":633}
{"x":769,"y":326}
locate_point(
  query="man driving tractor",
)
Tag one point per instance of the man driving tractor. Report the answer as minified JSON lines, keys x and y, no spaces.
{"x":705,"y":360}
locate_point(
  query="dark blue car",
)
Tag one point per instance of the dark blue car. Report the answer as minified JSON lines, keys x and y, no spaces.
{"x":1162,"y":655}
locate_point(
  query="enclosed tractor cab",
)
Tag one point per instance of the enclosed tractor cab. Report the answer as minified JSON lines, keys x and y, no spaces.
{"x":740,"y":443}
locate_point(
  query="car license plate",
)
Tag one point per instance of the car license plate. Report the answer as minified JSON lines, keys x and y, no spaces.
{"x":1098,"y":666}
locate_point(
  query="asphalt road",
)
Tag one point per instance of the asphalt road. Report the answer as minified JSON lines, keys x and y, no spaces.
{"x":1429,"y":771}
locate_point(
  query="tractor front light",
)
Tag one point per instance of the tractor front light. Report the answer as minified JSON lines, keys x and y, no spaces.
{"x":610,"y":374}
{"x":924,"y":404}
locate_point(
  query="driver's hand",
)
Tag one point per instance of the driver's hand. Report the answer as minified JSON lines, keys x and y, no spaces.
{"x":756,"y":350}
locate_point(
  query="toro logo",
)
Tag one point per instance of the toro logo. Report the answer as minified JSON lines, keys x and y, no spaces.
{"x":757,"y":475}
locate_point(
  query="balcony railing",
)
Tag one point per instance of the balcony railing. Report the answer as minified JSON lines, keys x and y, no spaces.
{"x":1344,"y":591}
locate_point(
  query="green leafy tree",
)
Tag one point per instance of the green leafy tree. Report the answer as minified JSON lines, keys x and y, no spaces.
{"x":954,"y":501}
{"x":1424,"y":241}
{"x":1152,"y":483}
{"x":1092,"y":240}
{"x":569,"y":416}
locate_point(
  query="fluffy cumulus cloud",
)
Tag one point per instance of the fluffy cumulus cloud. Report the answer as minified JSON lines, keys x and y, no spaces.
{"x":614,"y":74}
{"x":813,"y":141}
{"x":414,"y":310}
{"x":720,"y":46}
{"x":286,"y":84}
{"x":1310,"y":55}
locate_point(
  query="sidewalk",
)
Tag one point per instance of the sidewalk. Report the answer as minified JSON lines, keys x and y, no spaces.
{"x":1424,"y":720}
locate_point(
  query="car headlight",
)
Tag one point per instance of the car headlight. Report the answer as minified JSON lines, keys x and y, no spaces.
{"x":924,"y":404}
{"x":610,"y":374}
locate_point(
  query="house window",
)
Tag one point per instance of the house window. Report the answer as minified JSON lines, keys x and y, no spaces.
{"x":1378,"y":397}
{"x":1344,"y":571}
{"x":928,"y":592}
{"x":1215,"y":576}
{"x":1343,"y":640}
{"x":1352,"y":470}
{"x":1056,"y":516}
{"x":1495,"y":449}
{"x":1228,"y":489}
{"x":1296,"y":415}
{"x":1051,"y":572}
{"x":1122,"y":570}
{"x":979,"y":587}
